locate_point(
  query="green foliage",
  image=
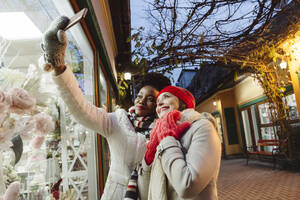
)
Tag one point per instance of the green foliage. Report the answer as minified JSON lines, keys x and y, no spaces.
{"x":123,"y":86}
{"x":136,"y":60}
{"x":201,"y":39}
{"x":263,"y":62}
{"x":274,"y":88}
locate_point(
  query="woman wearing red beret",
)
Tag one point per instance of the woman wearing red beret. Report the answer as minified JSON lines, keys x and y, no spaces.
{"x":183,"y":155}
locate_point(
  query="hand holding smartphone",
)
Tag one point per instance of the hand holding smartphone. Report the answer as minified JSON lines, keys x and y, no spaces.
{"x":76,"y":18}
{"x":54,"y":47}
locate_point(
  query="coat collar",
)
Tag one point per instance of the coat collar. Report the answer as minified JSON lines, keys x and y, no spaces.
{"x":191,"y":116}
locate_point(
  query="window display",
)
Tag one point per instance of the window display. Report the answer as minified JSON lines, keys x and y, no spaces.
{"x":249,"y":120}
{"x":46,"y":152}
{"x":293,"y":110}
{"x":268,"y":131}
{"x":265,"y":113}
{"x":247,"y":130}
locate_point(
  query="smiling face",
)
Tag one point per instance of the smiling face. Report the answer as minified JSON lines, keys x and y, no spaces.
{"x":166,"y":102}
{"x":145,"y":101}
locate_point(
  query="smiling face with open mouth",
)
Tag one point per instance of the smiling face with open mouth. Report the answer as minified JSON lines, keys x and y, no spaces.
{"x":166,"y":102}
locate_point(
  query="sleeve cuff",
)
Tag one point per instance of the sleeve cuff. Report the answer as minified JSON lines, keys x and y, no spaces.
{"x":65,"y":73}
{"x":143,"y":168}
{"x":167,"y":143}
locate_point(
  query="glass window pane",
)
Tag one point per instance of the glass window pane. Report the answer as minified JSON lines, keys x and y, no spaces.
{"x":103,"y":89}
{"x":291,"y":103}
{"x":264,"y":113}
{"x":69,"y":151}
{"x":268,"y":133}
{"x":254,"y":122}
{"x":247,"y":130}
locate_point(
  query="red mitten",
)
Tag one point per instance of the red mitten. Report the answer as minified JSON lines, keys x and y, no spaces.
{"x":175,"y":132}
{"x":169,"y":126}
{"x":169,"y":121}
{"x":153,"y":143}
{"x":151,"y":150}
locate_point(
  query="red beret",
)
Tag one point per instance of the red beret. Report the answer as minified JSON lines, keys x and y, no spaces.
{"x":181,"y":93}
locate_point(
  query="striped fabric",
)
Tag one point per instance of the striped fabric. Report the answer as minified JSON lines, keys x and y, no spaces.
{"x":141,"y":125}
{"x":131,"y":193}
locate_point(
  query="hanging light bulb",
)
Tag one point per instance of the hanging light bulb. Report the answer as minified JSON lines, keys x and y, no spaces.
{"x":127,"y":76}
{"x":215,"y":103}
{"x":283,"y":65}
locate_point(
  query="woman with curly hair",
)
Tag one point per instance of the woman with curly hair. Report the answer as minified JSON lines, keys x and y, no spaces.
{"x":125,"y":132}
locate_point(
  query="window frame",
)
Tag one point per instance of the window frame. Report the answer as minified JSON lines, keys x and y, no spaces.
{"x":101,"y":63}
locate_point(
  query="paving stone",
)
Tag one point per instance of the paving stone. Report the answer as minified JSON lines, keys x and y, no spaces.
{"x":257,"y":181}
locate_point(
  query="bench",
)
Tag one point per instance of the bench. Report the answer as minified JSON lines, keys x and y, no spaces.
{"x":259,"y":152}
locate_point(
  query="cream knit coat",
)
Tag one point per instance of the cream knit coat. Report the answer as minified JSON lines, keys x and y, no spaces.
{"x":127,"y":147}
{"x":185,"y":169}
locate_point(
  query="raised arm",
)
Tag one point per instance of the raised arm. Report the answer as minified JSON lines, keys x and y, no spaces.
{"x":84,"y":112}
{"x":54,"y":44}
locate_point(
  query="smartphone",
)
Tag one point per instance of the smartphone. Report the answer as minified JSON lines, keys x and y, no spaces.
{"x":76,"y":18}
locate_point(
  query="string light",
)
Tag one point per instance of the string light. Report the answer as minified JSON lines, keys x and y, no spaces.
{"x":283,"y":65}
{"x":127,"y":76}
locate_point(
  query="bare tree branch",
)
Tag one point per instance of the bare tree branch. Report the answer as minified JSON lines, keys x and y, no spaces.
{"x":189,"y":31}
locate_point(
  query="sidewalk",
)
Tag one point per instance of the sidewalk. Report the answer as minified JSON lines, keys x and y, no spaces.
{"x":257,"y":181}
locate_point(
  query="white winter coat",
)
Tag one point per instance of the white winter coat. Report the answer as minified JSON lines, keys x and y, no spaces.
{"x":127,"y":147}
{"x":185,"y":169}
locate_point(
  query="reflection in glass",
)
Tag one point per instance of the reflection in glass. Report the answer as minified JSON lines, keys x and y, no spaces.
{"x":264,"y":113}
{"x":66,"y":152}
{"x":269,"y":133}
{"x":293,"y":110}
{"x":247,"y":130}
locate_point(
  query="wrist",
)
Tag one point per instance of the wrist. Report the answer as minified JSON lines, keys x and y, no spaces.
{"x":59,"y":70}
{"x":165,"y":134}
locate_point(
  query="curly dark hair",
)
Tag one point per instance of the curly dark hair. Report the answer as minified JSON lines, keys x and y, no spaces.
{"x":154,"y":79}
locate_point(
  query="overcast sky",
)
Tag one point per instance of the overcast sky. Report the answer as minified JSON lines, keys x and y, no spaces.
{"x":137,"y":13}
{"x":138,"y":19}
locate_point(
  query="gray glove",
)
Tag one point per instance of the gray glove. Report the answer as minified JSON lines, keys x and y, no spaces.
{"x":54,"y":43}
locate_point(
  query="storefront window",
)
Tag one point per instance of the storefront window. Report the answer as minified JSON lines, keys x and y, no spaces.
{"x":249,"y":120}
{"x":268,"y":131}
{"x":68,"y":151}
{"x":104,"y":103}
{"x":264,"y":113}
{"x":247,"y":129}
{"x":293,"y":110}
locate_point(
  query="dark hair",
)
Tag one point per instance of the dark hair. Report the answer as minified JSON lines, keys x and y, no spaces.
{"x":153,"y":79}
{"x":182,"y":105}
